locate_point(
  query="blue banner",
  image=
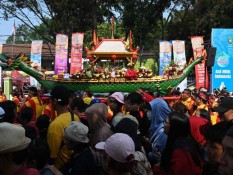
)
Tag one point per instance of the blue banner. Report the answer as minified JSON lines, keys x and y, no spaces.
{"x":222,"y":72}
{"x":165,"y":54}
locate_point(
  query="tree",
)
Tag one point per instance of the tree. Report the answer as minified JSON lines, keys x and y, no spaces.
{"x":143,"y":18}
{"x":25,"y":35}
{"x":198,"y":18}
{"x":56,"y":16}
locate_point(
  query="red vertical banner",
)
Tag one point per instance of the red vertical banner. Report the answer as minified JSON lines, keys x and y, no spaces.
{"x":207,"y":84}
{"x":76,"y":53}
{"x":201,"y":73}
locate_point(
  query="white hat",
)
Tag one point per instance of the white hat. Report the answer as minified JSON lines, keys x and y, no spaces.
{"x":119,"y":147}
{"x":12,"y":138}
{"x":131,"y":118}
{"x":118,"y":96}
{"x":2,"y":112}
{"x":77,"y":132}
{"x":118,"y":118}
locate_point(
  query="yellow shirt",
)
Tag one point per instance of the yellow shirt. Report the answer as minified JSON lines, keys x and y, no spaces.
{"x":59,"y":151}
{"x":202,"y":106}
{"x":214,"y":115}
{"x":37,"y":106}
{"x":189,"y":103}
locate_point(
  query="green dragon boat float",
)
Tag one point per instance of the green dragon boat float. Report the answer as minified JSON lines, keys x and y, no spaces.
{"x":99,"y":85}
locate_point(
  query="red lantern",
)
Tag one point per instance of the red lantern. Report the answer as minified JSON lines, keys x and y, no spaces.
{"x":114,"y":57}
{"x":89,"y":56}
{"x":135,"y":57}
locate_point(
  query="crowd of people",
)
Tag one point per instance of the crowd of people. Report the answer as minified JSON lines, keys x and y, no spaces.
{"x":70,"y":133}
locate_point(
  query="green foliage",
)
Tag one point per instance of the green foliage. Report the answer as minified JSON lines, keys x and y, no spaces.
{"x":104,"y":30}
{"x":198,"y":18}
{"x":149,"y":63}
{"x":66,"y":16}
{"x":144,"y":18}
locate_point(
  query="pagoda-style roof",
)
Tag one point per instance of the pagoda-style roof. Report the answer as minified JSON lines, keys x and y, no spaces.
{"x":112,"y":49}
{"x":109,"y":47}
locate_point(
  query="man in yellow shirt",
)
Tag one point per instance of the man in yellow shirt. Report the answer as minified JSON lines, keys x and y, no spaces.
{"x":187,"y":100}
{"x":34,"y":102}
{"x":59,"y":153}
{"x":201,"y":99}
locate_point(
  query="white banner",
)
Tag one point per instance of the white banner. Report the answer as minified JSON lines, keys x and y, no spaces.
{"x":36,"y":55}
{"x":180,"y":59}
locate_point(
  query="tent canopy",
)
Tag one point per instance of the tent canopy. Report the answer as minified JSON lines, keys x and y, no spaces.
{"x":16,"y":74}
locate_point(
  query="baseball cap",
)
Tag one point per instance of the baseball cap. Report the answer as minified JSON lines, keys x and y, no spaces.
{"x":118,"y":118}
{"x":202,"y":94}
{"x":95,"y":100}
{"x":2,"y":112}
{"x":119,"y":147}
{"x":77,"y":132}
{"x":47,"y":94}
{"x":61,"y":93}
{"x":118,"y":96}
{"x":225,"y":104}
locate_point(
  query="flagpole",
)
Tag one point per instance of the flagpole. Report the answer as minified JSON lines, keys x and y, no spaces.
{"x":112,"y":27}
{"x":14,"y":32}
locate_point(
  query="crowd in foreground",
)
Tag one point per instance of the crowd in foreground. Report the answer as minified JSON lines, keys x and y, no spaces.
{"x":68,"y":133}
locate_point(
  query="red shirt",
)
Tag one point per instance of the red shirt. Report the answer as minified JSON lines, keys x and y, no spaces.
{"x":37,"y":106}
{"x":181,"y":164}
{"x":26,"y":171}
{"x":198,"y":126}
{"x":50,"y":112}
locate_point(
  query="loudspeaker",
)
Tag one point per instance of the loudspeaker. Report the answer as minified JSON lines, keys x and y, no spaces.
{"x":211,"y":56}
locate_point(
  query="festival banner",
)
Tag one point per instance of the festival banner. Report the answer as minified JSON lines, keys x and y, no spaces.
{"x":36,"y":54}
{"x":201,"y":73}
{"x":179,"y":53}
{"x":76,"y":53}
{"x":1,"y":67}
{"x":1,"y":48}
{"x":202,"y":79}
{"x":61,"y":54}
{"x":165,"y":54}
{"x":197,"y":45}
{"x":179,"y":58}
{"x":222,"y":71}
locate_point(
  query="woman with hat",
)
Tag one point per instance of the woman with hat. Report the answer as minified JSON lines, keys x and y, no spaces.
{"x":118,"y":152}
{"x":116,"y":101}
{"x":13,"y":150}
